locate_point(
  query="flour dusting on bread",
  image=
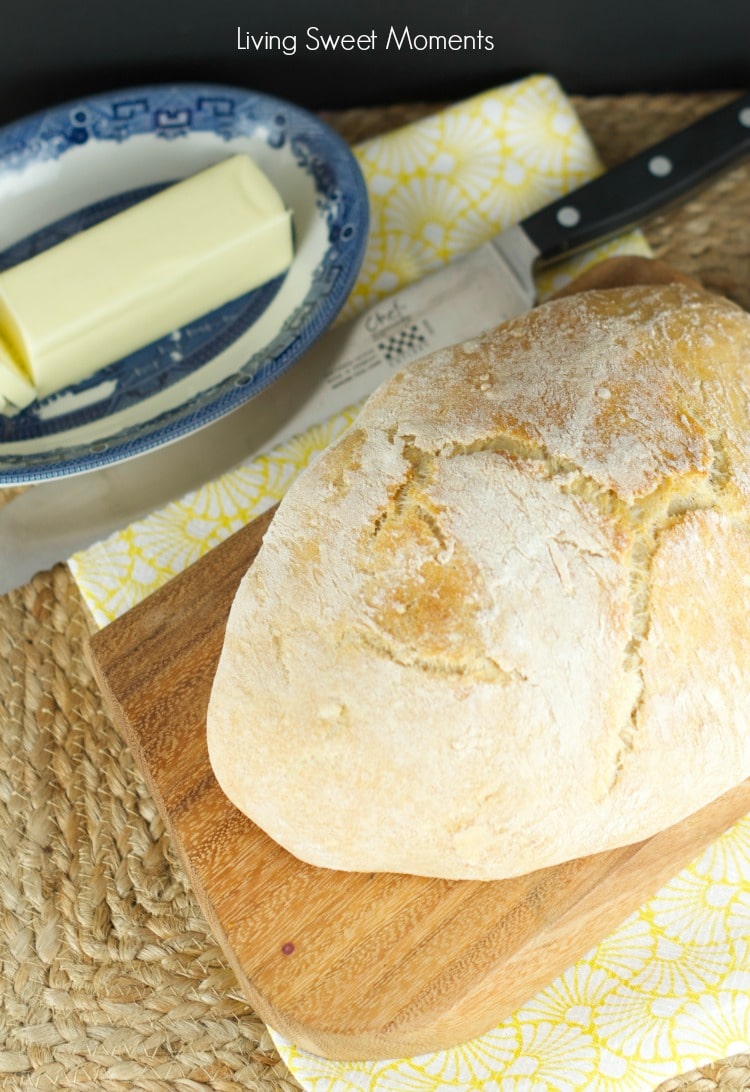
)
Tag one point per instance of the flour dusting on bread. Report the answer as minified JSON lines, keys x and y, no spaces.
{"x":502,"y":622}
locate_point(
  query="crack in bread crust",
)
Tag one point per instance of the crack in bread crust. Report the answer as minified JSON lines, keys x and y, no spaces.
{"x":638,"y":525}
{"x":481,"y":668}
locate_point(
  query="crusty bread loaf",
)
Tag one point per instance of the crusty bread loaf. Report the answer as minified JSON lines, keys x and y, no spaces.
{"x":504,"y":622}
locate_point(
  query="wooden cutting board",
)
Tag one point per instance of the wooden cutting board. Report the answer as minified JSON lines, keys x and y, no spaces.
{"x":352,"y":965}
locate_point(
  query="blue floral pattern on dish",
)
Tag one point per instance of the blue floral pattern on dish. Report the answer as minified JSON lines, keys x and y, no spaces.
{"x":178,"y":113}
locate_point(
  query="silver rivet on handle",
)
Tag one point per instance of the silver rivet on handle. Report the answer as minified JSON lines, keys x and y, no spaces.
{"x":745,"y":117}
{"x":568,"y":216}
{"x":660,"y":166}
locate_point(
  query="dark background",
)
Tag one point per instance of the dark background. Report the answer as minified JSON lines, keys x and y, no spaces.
{"x":52,"y":50}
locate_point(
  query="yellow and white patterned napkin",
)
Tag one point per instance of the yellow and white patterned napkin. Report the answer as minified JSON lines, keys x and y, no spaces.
{"x":671,"y":988}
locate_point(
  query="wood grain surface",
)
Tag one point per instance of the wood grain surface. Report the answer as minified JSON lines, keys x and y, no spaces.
{"x":351,"y":965}
{"x":355,"y":965}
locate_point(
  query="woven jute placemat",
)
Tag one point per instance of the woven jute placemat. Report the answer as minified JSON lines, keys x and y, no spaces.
{"x":110,"y":977}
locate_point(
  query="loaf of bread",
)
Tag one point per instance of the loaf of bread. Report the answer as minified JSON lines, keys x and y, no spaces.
{"x":505,"y":621}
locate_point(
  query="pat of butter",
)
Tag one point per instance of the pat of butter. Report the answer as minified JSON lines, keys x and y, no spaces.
{"x":129,"y":280}
{"x":16,"y":389}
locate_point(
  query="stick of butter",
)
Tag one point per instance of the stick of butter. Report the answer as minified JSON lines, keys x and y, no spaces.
{"x":129,"y":280}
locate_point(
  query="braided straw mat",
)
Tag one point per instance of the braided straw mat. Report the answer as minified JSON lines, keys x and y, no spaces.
{"x":110,"y":978}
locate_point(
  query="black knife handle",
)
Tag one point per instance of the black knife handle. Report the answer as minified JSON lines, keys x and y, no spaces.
{"x":650,"y":180}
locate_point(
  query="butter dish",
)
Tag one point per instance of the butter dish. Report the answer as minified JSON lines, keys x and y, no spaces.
{"x":69,"y":168}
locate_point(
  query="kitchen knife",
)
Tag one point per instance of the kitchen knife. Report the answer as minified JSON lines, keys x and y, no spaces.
{"x":54,"y":519}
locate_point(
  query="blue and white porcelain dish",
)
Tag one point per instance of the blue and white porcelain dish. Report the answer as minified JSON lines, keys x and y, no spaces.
{"x":63,"y":169}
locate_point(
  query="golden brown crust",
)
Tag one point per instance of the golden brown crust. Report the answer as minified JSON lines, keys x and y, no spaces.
{"x":483,"y":622}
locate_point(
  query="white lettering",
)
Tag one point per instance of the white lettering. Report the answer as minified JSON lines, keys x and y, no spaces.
{"x":439,"y":42}
{"x":316,"y":40}
{"x":286,"y":44}
{"x":404,"y":39}
{"x":398,"y":42}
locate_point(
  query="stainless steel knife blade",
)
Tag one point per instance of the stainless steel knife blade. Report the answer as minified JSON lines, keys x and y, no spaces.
{"x":52,"y":520}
